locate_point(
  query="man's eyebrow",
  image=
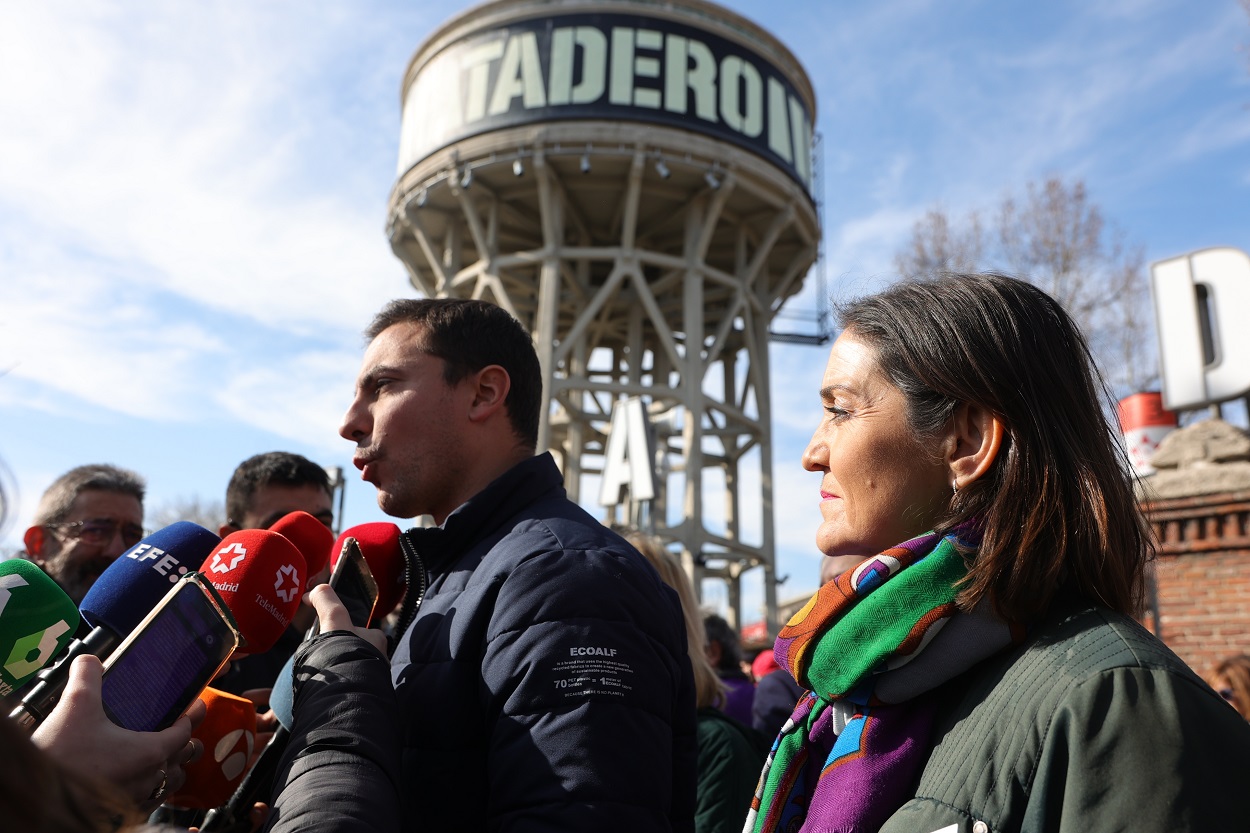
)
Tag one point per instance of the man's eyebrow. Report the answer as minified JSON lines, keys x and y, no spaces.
{"x":376,"y":371}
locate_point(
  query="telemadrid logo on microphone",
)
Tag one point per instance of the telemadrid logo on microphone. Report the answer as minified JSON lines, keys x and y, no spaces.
{"x":287,"y":594}
{"x":219,"y":565}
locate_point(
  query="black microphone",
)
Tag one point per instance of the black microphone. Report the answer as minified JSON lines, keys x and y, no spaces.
{"x":120,"y":598}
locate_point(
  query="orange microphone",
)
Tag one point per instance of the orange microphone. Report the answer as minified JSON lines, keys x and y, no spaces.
{"x":229,"y":737}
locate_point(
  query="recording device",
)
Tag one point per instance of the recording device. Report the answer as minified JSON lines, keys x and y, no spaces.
{"x":310,"y":536}
{"x":354,"y":584}
{"x":261,"y":576}
{"x":37,"y":621}
{"x":158,"y":671}
{"x":117,"y":601}
{"x":379,"y":543}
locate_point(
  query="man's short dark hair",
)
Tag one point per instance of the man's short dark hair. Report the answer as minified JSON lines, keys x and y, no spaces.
{"x":273,"y":468}
{"x":55,"y":504}
{"x":469,"y":335}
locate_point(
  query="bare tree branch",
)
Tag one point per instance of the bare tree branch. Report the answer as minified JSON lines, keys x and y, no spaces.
{"x":1056,"y":237}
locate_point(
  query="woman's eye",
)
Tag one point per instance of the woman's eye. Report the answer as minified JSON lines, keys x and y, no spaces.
{"x":836,"y":413}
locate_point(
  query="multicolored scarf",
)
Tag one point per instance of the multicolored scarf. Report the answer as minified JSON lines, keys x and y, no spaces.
{"x":865,"y":646}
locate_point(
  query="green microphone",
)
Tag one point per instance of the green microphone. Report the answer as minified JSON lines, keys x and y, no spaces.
{"x":37,"y":621}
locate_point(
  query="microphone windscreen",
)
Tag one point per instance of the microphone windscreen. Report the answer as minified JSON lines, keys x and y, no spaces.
{"x":228,"y":733}
{"x":260,"y":575}
{"x":132,"y":585}
{"x":310,"y":536}
{"x":379,"y":544}
{"x":37,"y":621}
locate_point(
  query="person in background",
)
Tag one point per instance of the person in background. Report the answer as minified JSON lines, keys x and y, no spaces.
{"x":730,"y":753}
{"x":79,"y":773}
{"x":1231,"y":680}
{"x":776,"y":694}
{"x":263,"y":489}
{"x":266,"y":487}
{"x":724,"y":651}
{"x":86,"y":519}
{"x":982,"y":669}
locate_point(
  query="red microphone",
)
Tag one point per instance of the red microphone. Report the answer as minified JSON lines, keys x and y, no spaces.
{"x":310,"y":536}
{"x":379,"y":544}
{"x":228,"y":733}
{"x":261,"y":576}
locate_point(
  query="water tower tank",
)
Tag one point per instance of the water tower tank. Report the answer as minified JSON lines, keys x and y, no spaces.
{"x":634,"y":182}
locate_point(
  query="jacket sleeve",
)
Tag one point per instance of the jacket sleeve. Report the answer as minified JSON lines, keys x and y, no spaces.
{"x":1146,"y":745}
{"x":341,"y":766}
{"x":590,"y":699}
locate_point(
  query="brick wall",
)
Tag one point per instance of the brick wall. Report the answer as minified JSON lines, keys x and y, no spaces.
{"x":1201,"y":597}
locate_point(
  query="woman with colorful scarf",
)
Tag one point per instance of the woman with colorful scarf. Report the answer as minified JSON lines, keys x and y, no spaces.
{"x":976,"y":665}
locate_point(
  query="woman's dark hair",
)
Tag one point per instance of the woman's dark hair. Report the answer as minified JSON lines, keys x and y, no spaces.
{"x":1056,"y":508}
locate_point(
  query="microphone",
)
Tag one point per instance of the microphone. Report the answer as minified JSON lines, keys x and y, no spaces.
{"x":120,"y":598}
{"x":310,"y":536}
{"x":229,"y":737}
{"x":37,"y":620}
{"x":263,"y":604}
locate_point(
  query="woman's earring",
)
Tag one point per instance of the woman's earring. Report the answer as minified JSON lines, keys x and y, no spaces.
{"x":954,"y":487}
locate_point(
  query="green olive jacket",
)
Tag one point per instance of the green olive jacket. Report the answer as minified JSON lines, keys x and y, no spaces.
{"x":1091,"y":725}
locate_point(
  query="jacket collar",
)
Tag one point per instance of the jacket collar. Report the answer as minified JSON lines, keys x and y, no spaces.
{"x":481,"y":514}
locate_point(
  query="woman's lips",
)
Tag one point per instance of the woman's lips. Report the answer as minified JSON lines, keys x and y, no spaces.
{"x":827,"y":496}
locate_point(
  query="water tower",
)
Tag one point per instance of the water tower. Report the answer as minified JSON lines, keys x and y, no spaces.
{"x":634,"y":182}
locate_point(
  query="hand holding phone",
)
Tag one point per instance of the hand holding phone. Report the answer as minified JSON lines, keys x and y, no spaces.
{"x":79,"y":736}
{"x":333,"y":615}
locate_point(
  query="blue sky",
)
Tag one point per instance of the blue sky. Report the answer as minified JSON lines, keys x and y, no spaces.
{"x":192,"y":199}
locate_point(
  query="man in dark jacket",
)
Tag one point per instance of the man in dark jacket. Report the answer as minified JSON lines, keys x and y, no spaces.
{"x":540,"y":670}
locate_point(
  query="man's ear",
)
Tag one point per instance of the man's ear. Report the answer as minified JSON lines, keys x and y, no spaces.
{"x":975,"y":439}
{"x":490,"y":390}
{"x":34,"y":541}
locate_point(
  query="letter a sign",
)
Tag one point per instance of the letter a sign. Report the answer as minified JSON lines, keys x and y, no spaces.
{"x":628,"y":461}
{"x":1189,"y":380}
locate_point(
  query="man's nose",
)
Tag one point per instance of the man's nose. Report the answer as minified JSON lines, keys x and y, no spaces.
{"x":115,"y":546}
{"x":353,"y":426}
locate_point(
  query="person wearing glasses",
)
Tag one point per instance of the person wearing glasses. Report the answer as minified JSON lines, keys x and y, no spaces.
{"x":86,"y":519}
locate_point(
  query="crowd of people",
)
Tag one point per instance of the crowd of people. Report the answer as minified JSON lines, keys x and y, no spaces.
{"x":970,"y":662}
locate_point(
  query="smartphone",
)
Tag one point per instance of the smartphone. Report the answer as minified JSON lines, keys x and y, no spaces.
{"x":156,"y":673}
{"x":353,"y":581}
